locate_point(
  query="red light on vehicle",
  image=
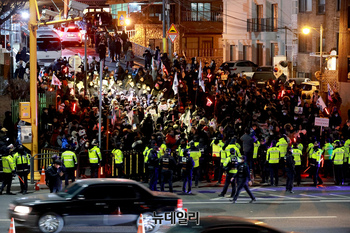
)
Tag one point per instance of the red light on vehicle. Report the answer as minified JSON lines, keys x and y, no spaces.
{"x":79,"y":34}
{"x":61,"y":34}
{"x":234,"y":68}
{"x":179,"y":203}
{"x":71,"y":27}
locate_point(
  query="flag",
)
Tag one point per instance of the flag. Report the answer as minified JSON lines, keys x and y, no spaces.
{"x":164,"y":70}
{"x":330,"y":93}
{"x":246,"y":99}
{"x":200,"y":79}
{"x":187,"y":119}
{"x":175,"y":84}
{"x":320,"y":103}
{"x":40,"y":76}
{"x":55,"y":81}
{"x":299,"y":101}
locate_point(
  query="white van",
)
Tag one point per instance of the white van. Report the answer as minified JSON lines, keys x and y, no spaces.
{"x":49,"y":47}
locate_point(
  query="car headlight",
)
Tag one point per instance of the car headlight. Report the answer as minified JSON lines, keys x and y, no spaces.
{"x":23,"y":209}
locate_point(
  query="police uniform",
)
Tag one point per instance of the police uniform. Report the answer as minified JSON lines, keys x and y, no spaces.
{"x":145,"y":153}
{"x":167,"y":165}
{"x":22,"y":161}
{"x":204,"y":161}
{"x":242,"y":178}
{"x":216,"y":146}
{"x":118,"y":162}
{"x":328,"y":151}
{"x":94,"y":158}
{"x":289,"y":164}
{"x":230,"y":165}
{"x":297,"y":159}
{"x":315,"y":164}
{"x":187,"y":165}
{"x":153,"y":165}
{"x":69,"y":160}
{"x":338,"y":161}
{"x":273,"y":156}
{"x":195,"y":154}
{"x":8,"y":167}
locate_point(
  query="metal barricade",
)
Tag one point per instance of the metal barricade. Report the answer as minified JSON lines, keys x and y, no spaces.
{"x":43,"y":161}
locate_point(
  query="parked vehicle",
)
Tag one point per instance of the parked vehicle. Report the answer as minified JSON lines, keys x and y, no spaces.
{"x":71,"y":35}
{"x":308,"y":89}
{"x":94,"y":202}
{"x":49,"y":47}
{"x":237,"y":67}
{"x":261,"y":77}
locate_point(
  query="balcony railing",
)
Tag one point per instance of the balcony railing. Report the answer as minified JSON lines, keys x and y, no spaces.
{"x":262,"y":25}
{"x":201,"y":16}
{"x":203,"y":52}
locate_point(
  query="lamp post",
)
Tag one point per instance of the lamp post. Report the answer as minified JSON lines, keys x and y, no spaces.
{"x":306,"y":31}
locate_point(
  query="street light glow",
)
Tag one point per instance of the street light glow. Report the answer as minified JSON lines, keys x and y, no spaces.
{"x":127,"y":21}
{"x":25,"y":15}
{"x":306,"y":30}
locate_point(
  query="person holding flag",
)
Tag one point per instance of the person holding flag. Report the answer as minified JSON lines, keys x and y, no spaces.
{"x":55,"y":81}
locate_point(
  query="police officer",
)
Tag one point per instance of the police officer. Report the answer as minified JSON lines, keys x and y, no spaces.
{"x":315,"y":163}
{"x":345,"y":147}
{"x":195,"y":154}
{"x":297,"y":159}
{"x":204,"y":160}
{"x":338,"y":161}
{"x":94,"y":158}
{"x":54,"y":174}
{"x":22,"y":161}
{"x":282,"y":145}
{"x":289,"y":164}
{"x":230,"y":165}
{"x":118,"y":160}
{"x":69,"y":160}
{"x":187,"y":165}
{"x":273,"y":156}
{"x":8,"y":167}
{"x":255,"y":155}
{"x":328,"y":151}
{"x":145,"y":153}
{"x":264,"y":166}
{"x":167,"y":165}
{"x":216,"y":146}
{"x":153,"y":165}
{"x":242,"y":178}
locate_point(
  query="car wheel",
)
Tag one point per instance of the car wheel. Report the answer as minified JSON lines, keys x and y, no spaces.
{"x":148,"y":222}
{"x":50,"y":223}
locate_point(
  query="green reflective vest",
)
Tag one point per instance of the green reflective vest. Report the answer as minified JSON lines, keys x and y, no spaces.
{"x":338,"y":156}
{"x":346,"y":150}
{"x":227,"y":162}
{"x":300,"y":147}
{"x":162,"y":150}
{"x":216,"y":148}
{"x":8,"y":165}
{"x":146,"y":153}
{"x":297,"y":156}
{"x":317,"y":156}
{"x":282,"y":146}
{"x":69,"y":159}
{"x":21,"y":159}
{"x":310,"y":149}
{"x":273,"y":155}
{"x":118,"y":156}
{"x":328,"y":151}
{"x":95,"y":155}
{"x":256,"y":148}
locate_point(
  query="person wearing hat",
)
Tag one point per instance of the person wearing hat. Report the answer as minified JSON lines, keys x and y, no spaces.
{"x":315,"y":161}
{"x":54,"y":175}
{"x":69,"y":160}
{"x":94,"y":158}
{"x":118,"y":160}
{"x":242,"y":178}
{"x":22,"y":161}
{"x":8,"y":167}
{"x":187,"y":164}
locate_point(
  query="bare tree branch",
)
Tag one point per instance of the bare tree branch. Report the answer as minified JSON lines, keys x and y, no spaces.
{"x":9,"y":8}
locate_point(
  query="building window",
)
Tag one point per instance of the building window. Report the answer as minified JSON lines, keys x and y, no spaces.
{"x":260,"y":15}
{"x":321,"y":7}
{"x":305,"y":6}
{"x":155,"y":10}
{"x":245,"y":52}
{"x":274,"y":17}
{"x":200,"y":11}
{"x":338,"y":5}
{"x":118,"y":7}
{"x":232,"y":49}
{"x":303,"y":39}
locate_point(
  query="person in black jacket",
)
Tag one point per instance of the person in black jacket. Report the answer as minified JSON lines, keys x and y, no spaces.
{"x":290,"y":169}
{"x":243,"y":180}
{"x":187,"y":165}
{"x":54,"y":177}
{"x":167,"y":164}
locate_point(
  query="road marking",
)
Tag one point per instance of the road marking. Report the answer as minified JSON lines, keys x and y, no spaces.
{"x":5,"y":220}
{"x":294,"y":217}
{"x":265,"y":189}
{"x":267,"y":201}
{"x":279,"y":196}
{"x":312,"y":196}
{"x":340,"y":196}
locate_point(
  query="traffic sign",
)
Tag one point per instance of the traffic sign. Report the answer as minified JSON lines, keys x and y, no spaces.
{"x":172,"y":33}
{"x":121,"y":18}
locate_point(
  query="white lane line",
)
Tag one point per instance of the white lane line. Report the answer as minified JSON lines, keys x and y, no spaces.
{"x":279,"y":196}
{"x":265,"y":189}
{"x":5,"y":220}
{"x":293,"y":217}
{"x":337,"y":195}
{"x":306,"y":195}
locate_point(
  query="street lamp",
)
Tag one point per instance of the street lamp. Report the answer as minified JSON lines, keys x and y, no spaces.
{"x":306,"y":31}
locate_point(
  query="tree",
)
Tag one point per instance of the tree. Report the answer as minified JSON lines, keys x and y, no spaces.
{"x":9,"y":8}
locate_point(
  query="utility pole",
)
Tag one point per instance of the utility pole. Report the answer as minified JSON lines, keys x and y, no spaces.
{"x":164,"y":30}
{"x":168,"y":26}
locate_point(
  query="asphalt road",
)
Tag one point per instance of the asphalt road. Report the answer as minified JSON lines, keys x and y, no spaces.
{"x":310,"y":209}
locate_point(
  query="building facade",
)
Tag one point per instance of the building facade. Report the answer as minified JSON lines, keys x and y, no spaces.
{"x":257,"y":30}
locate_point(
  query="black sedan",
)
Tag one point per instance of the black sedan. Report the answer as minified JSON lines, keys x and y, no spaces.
{"x":223,"y":224}
{"x":95,"y":202}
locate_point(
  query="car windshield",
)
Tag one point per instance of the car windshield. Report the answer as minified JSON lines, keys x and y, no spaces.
{"x":306,"y":87}
{"x":70,"y":190}
{"x":48,"y":44}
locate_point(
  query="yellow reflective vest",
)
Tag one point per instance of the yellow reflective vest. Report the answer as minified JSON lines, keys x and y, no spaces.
{"x":346,"y":150}
{"x":282,"y":145}
{"x":22,"y":162}
{"x":195,"y":154}
{"x":273,"y":155}
{"x":118,"y":156}
{"x":297,"y":156}
{"x":328,"y":151}
{"x":216,"y":148}
{"x":8,"y":165}
{"x":95,"y":155}
{"x":256,"y":148}
{"x":338,"y":156}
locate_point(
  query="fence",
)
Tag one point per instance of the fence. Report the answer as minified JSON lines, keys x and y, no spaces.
{"x":44,"y":101}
